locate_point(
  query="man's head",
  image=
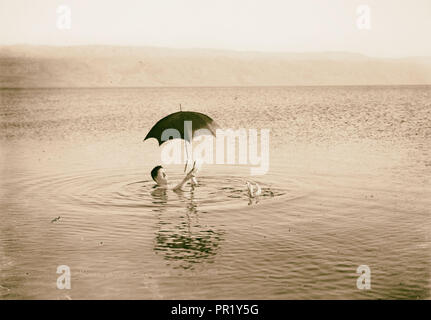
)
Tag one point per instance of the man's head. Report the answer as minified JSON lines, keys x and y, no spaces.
{"x":159,"y":175}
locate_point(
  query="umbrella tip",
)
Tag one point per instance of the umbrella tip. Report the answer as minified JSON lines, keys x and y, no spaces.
{"x":180,"y":107}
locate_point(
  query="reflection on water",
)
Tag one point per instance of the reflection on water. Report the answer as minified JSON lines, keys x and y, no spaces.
{"x":182,"y":240}
{"x":160,"y":198}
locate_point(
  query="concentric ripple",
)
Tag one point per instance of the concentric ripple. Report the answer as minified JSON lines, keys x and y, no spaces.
{"x":119,"y":190}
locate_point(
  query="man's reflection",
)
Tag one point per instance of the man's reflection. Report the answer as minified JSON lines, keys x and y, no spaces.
{"x":180,"y":237}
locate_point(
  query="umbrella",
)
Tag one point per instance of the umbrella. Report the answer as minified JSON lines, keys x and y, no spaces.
{"x":177,"y":121}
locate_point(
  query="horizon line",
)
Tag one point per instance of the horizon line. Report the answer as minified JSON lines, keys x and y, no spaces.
{"x":239,"y":51}
{"x":251,"y":86}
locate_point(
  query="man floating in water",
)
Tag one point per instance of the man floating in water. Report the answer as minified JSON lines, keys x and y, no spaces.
{"x":160,"y":177}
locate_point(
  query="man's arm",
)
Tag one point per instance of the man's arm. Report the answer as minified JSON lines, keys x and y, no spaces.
{"x":187,"y":178}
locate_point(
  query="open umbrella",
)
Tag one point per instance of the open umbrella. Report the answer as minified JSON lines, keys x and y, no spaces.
{"x":179,"y":121}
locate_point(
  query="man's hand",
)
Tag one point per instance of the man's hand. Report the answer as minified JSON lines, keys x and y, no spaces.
{"x":190,"y":175}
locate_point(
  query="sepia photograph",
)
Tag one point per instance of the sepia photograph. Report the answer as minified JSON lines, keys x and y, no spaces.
{"x":243,"y":150}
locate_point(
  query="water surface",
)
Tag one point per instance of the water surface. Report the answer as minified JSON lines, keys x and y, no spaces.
{"x":348,"y":185}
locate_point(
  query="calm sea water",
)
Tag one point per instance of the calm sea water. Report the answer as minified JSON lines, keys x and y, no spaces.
{"x":348,"y":185}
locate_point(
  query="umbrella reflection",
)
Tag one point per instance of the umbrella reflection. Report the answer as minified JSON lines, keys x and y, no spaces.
{"x":182,"y":239}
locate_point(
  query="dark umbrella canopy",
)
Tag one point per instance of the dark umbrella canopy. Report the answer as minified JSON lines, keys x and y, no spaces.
{"x":176,"y":121}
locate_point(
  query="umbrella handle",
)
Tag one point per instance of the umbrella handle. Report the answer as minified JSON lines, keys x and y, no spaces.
{"x":187,"y":161}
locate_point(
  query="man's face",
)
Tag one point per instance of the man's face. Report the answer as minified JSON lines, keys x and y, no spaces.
{"x":162,"y":177}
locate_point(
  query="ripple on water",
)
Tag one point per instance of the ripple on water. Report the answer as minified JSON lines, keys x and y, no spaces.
{"x":121,"y":190}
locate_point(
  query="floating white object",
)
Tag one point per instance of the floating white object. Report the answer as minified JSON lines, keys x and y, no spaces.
{"x":251,"y":192}
{"x":258,"y":191}
{"x":250,"y":189}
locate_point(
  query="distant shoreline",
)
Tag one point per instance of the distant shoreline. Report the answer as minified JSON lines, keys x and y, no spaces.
{"x":209,"y":87}
{"x":297,"y":54}
{"x":29,"y":66}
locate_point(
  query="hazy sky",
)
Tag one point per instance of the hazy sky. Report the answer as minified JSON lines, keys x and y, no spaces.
{"x":398,"y":27}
